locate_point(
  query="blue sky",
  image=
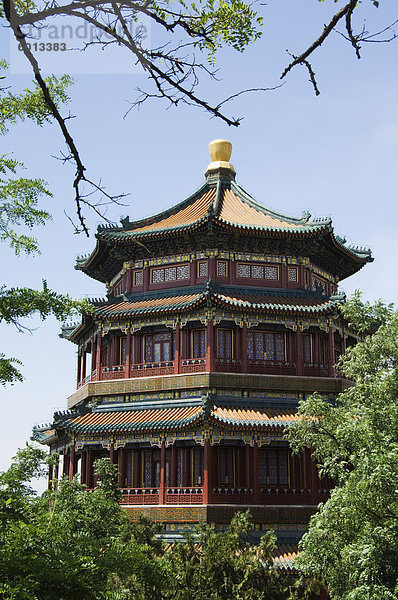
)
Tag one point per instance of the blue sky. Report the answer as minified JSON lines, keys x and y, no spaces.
{"x":335,"y":154}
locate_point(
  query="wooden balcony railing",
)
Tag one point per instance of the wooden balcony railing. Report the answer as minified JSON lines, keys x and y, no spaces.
{"x":198,"y":365}
{"x":315,"y":370}
{"x":178,"y":495}
{"x":140,"y":496}
{"x":222,"y":495}
{"x":148,"y":369}
{"x":272,"y":367}
{"x":228,"y":365}
{"x":174,"y":495}
{"x":230,"y":495}
{"x":192,"y":365}
{"x":284,"y":495}
{"x":115,"y":372}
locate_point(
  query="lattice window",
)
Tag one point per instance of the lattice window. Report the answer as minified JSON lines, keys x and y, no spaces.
{"x":199,"y":343}
{"x":263,"y":345}
{"x":273,"y":466}
{"x":157,"y":275}
{"x":269,"y":346}
{"x":123,"y":350}
{"x":306,"y":347}
{"x":257,"y":272}
{"x":159,"y":347}
{"x":138,"y":278}
{"x":147,"y":469}
{"x":196,"y":466}
{"x":283,"y":467}
{"x":279,"y":340}
{"x":262,"y":468}
{"x":318,"y":283}
{"x":203,"y":269}
{"x":129,"y":468}
{"x":259,"y":345}
{"x":224,"y":343}
{"x":179,"y":467}
{"x":221,"y":268}
{"x":250,"y":346}
{"x":226,"y":466}
{"x":271,"y":273}
{"x":243,"y":270}
{"x":293,"y":274}
{"x":323,"y":346}
{"x":148,"y":350}
{"x":170,"y":274}
{"x":182,"y":272}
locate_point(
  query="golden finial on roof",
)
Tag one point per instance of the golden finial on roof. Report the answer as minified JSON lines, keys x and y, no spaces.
{"x":220,"y":153}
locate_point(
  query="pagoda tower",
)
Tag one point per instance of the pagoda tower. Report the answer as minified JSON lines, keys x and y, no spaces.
{"x":220,"y":316}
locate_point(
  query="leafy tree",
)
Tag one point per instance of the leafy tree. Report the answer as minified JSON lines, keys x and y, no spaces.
{"x":217,"y":566}
{"x":68,"y":544}
{"x":71,"y":544}
{"x":352,"y":543}
{"x":20,"y":213}
{"x":190,"y":36}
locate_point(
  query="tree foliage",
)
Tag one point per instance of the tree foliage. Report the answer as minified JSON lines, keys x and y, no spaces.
{"x":214,"y":566}
{"x":71,"y":544}
{"x":352,"y":543}
{"x":189,"y":35}
{"x":20,"y":213}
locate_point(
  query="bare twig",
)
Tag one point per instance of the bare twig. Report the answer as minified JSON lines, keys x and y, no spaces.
{"x":346,"y":11}
{"x":233,"y":96}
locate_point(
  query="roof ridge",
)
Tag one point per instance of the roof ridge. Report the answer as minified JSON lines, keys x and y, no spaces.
{"x":167,"y":212}
{"x":251,"y":201}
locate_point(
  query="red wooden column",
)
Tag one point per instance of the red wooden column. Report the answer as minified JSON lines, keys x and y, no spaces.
{"x":98,"y":359}
{"x":129,"y":280}
{"x":173,"y":466}
{"x":79,"y":368}
{"x":89,"y":468}
{"x":177,"y":347}
{"x":256,"y":485}
{"x":284,"y":278}
{"x":210,"y":362}
{"x":128,"y":355}
{"x":112,"y":453}
{"x":145,"y":278}
{"x":65,"y":465}
{"x":122,"y":466}
{"x":72,"y":462}
{"x":84,"y":365}
{"x":206,"y":471}
{"x":162,"y":487}
{"x":243,"y":349}
{"x":299,"y":357}
{"x":331,"y":352}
